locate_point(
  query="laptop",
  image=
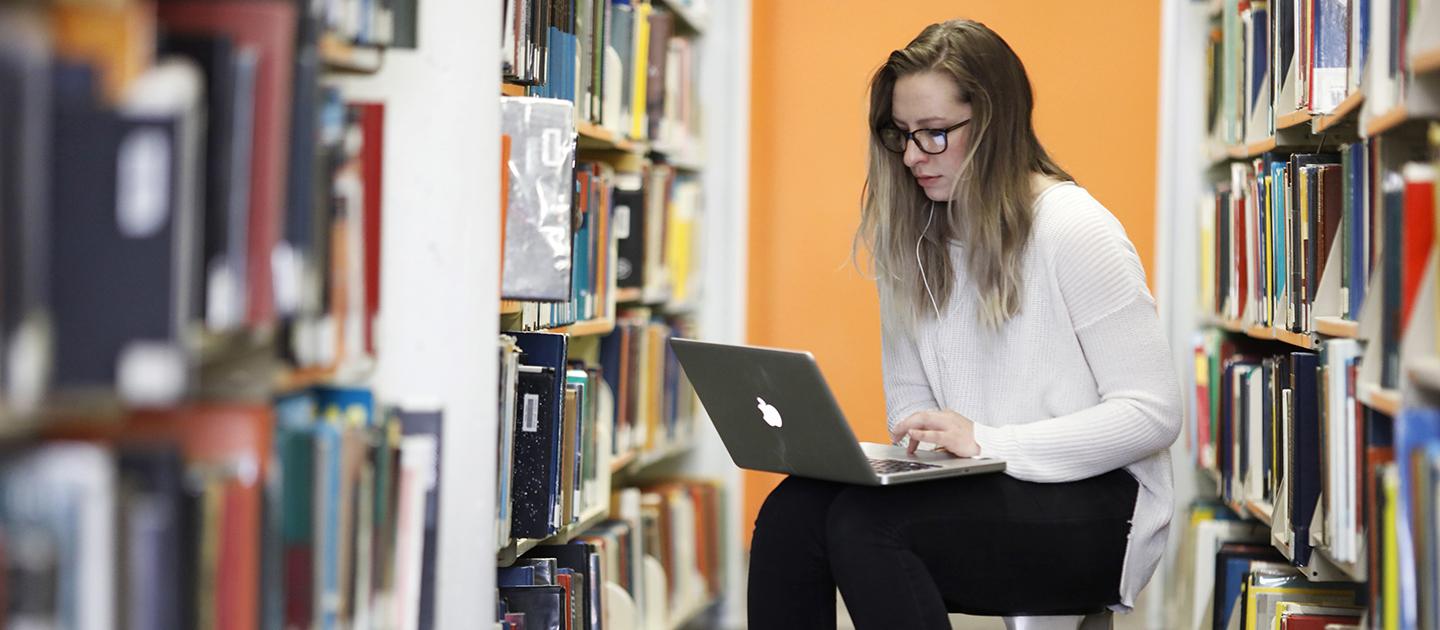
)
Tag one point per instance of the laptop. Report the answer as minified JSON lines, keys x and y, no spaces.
{"x":775,"y":413}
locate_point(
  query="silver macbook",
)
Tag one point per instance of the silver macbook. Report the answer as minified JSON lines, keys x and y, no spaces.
{"x":775,"y":413}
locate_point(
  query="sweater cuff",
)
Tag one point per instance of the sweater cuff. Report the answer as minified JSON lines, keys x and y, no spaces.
{"x":995,"y":442}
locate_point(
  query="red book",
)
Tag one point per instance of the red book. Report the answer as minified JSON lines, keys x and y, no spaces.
{"x":563,"y":580}
{"x":1315,"y":622}
{"x":268,"y":28}
{"x":299,"y":579}
{"x":372,"y":159}
{"x":1418,"y":235}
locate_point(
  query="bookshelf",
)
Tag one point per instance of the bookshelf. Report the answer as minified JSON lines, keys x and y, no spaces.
{"x":269,"y":133}
{"x":701,"y":152}
{"x":434,"y":108}
{"x":1315,"y":309}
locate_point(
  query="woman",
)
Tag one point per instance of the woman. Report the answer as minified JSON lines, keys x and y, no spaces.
{"x":1016,"y":324}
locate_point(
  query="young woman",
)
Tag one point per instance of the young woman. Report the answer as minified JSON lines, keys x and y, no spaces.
{"x":1016,"y":324}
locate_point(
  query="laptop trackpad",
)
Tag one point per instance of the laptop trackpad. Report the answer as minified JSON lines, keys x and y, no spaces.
{"x":890,"y":451}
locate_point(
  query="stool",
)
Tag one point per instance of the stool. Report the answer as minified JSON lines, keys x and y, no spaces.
{"x":1096,"y":621}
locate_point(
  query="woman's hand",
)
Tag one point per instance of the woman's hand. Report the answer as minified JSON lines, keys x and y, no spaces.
{"x":949,"y":430}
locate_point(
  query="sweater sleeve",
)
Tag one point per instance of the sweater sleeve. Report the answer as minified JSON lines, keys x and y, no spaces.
{"x":907,"y":390}
{"x":1139,"y":413}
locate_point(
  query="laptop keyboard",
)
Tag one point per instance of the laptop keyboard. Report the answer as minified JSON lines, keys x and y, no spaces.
{"x":887,"y":466}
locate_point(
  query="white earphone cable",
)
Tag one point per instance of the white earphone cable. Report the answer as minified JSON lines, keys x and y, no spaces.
{"x":921,"y":264}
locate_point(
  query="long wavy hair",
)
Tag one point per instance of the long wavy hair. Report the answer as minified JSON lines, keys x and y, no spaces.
{"x":989,"y":211}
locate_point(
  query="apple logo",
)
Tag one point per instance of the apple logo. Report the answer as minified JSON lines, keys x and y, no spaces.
{"x":769,"y":412}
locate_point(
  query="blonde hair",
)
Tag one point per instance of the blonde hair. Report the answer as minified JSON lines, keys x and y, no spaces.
{"x":990,"y":207}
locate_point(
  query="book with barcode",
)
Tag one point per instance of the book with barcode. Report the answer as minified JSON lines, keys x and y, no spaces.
{"x":536,"y":451}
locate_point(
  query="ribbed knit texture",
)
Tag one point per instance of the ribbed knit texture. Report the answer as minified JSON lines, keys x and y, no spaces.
{"x":1076,"y":385}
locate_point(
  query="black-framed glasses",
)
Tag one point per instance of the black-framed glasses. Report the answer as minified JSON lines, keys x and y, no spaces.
{"x":932,"y":141}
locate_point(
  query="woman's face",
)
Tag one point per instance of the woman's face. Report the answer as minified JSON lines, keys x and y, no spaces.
{"x":930,"y":100}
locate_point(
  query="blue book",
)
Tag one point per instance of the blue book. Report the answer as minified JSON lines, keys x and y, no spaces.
{"x":1358,"y":222}
{"x":515,"y":576}
{"x":543,"y":606}
{"x":1305,"y":478}
{"x":1417,"y":430}
{"x":348,"y":406}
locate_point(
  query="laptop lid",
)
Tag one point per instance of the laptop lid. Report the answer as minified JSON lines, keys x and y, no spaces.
{"x":773,"y":410}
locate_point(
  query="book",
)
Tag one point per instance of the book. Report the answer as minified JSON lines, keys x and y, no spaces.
{"x":538,"y":219}
{"x":268,"y":28}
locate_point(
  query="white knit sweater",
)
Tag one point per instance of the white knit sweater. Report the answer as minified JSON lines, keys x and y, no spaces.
{"x":1076,"y":385}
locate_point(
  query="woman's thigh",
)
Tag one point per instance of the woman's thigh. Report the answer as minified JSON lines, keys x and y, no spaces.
{"x":994,"y":544}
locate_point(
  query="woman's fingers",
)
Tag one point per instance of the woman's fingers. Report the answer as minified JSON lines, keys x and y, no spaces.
{"x":917,"y":420}
{"x":923,"y":435}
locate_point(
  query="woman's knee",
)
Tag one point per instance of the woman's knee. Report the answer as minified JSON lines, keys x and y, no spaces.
{"x":795,"y":509}
{"x":859,"y":515}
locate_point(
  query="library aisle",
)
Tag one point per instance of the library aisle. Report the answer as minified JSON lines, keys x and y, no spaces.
{"x":351,"y":314}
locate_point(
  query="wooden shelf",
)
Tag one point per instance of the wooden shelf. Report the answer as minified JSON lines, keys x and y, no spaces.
{"x":622,"y":462}
{"x":1299,"y":340}
{"x":519,"y":547}
{"x":1252,"y":149}
{"x":636,"y":295}
{"x":1265,"y":513}
{"x":1343,"y":113}
{"x":601,"y":326}
{"x":636,"y":462}
{"x":1255,"y":331}
{"x":1337,"y":327}
{"x":1232,"y":325}
{"x":1292,"y":119}
{"x":629,"y":294}
{"x":587,"y":328}
{"x":1386,"y":401}
{"x":338,"y":54}
{"x":593,"y":136}
{"x":512,"y":89}
{"x":1425,"y":62}
{"x":1397,"y":116}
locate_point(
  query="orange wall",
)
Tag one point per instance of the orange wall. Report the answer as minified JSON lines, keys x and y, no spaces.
{"x":1095,"y":71}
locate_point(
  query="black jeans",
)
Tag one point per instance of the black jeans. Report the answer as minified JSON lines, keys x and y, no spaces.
{"x":904,"y":556}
